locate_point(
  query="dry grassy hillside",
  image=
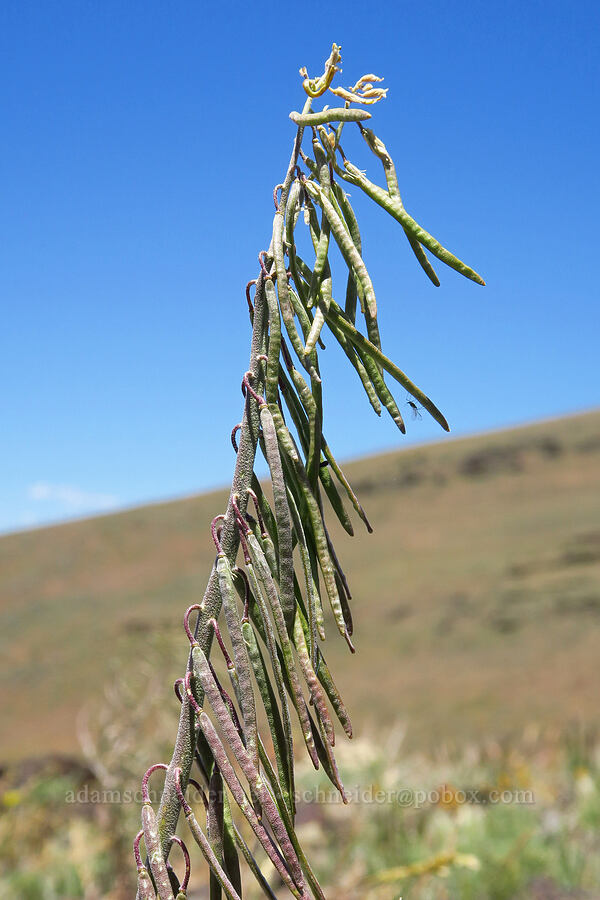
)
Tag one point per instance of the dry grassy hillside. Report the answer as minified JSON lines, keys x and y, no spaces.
{"x":476,"y":601}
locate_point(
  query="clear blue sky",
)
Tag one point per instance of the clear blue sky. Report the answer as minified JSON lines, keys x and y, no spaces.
{"x":140,"y":144}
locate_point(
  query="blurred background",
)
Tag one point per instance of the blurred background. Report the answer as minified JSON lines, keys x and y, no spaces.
{"x":141,"y":144}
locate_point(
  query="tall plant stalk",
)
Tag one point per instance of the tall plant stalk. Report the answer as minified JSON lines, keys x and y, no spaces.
{"x":273,"y":604}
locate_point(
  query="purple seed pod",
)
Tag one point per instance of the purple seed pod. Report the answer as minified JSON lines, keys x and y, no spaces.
{"x":317,"y":695}
{"x":203,"y":843}
{"x":245,"y":762}
{"x":145,"y":890}
{"x":295,"y":883}
{"x":158,"y":865}
{"x":186,"y":879}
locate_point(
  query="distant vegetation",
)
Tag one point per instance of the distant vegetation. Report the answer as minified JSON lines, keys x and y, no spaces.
{"x":481,"y":637}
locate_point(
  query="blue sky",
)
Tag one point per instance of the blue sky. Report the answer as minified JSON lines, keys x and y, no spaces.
{"x":141,"y":143}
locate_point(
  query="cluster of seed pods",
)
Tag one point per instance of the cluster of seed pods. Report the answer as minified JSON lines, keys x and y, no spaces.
{"x":273,"y":603}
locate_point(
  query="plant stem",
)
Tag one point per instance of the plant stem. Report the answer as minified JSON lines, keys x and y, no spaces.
{"x":183,"y":753}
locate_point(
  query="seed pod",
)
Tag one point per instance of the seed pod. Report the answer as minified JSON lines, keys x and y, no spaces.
{"x":283,"y":758}
{"x":362,"y":344}
{"x":202,"y":841}
{"x":289,"y":824}
{"x":327,"y":758}
{"x":314,"y":514}
{"x":380,"y":150}
{"x":397,"y":211}
{"x":315,"y":610}
{"x":182,"y":895}
{"x":274,"y":341}
{"x":158,"y":865}
{"x":145,"y":889}
{"x":215,"y":826}
{"x":254,"y":866}
{"x":269,"y":587}
{"x":282,"y":516}
{"x":305,"y":416}
{"x":357,"y":362}
{"x":294,"y":882}
{"x":346,"y":245}
{"x":329,"y":115}
{"x":249,"y":769}
{"x":316,"y":692}
{"x":242,"y":663}
{"x":268,"y":636}
{"x":231,"y":863}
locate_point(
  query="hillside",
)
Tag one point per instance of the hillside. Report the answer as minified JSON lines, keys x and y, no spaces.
{"x":476,"y":601}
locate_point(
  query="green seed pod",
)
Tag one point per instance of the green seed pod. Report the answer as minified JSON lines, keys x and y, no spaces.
{"x":282,"y":516}
{"x":362,"y":344}
{"x":329,"y":115}
{"x":269,"y":587}
{"x":316,"y":692}
{"x":283,"y":758}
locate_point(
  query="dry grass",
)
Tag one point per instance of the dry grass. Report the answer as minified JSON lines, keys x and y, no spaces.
{"x":476,"y":601}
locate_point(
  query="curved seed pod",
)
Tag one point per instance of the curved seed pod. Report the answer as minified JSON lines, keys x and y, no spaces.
{"x":362,"y":344}
{"x":397,"y":211}
{"x":282,"y":516}
{"x":294,"y":882}
{"x":186,"y":878}
{"x":145,"y":889}
{"x":329,"y":115}
{"x":247,"y":766}
{"x":281,"y":745}
{"x":347,"y":612}
{"x":202,"y":841}
{"x":314,"y":514}
{"x":316,"y":692}
{"x":306,"y":419}
{"x":158,"y":865}
{"x":379,"y":149}
{"x":322,"y":171}
{"x":353,"y":259}
{"x":291,"y":217}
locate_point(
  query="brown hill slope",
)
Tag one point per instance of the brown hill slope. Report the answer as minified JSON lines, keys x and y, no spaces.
{"x":476,"y":601}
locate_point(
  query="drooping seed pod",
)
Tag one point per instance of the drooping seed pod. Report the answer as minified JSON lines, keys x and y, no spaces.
{"x":203,"y":842}
{"x":247,"y":766}
{"x":182,"y":894}
{"x":145,"y":889}
{"x":156,"y":859}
